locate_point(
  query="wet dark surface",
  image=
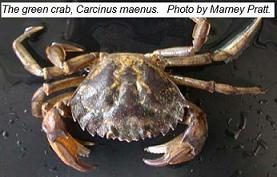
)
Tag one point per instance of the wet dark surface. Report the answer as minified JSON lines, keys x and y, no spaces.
{"x":24,"y":150}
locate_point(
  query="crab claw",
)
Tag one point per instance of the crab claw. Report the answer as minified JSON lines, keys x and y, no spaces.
{"x":66,"y":147}
{"x":56,"y":53}
{"x":174,"y":152}
{"x":185,"y":146}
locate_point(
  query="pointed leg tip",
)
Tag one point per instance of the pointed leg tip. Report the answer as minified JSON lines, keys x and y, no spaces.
{"x":39,"y":27}
{"x":79,"y":49}
{"x":85,"y":167}
{"x":160,"y":162}
{"x":69,"y":47}
{"x":34,"y":29}
{"x":259,"y":90}
{"x":263,"y":90}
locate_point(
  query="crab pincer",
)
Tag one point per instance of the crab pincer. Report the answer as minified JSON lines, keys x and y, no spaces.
{"x":56,"y":53}
{"x":185,"y":146}
{"x":66,"y":147}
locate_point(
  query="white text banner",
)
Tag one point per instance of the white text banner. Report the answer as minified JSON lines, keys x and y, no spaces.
{"x":136,"y":10}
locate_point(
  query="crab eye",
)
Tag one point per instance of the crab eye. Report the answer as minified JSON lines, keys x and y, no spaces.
{"x":156,"y":59}
{"x":159,"y":61}
{"x":87,"y":69}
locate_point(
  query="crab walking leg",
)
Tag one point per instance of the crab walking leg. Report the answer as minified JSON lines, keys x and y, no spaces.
{"x":69,"y":66}
{"x":62,"y":84}
{"x":60,"y":105}
{"x":48,"y":88}
{"x":212,"y":86}
{"x":66,"y":147}
{"x":24,"y":56}
{"x":199,"y":35}
{"x":185,"y":146}
{"x":37,"y":101}
{"x":227,"y":52}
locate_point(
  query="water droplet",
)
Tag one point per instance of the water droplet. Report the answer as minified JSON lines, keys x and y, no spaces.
{"x":237,"y":173}
{"x":45,"y":152}
{"x":10,"y":122}
{"x":23,"y":149}
{"x":45,"y":165}
{"x":5,"y":134}
{"x":249,"y":74}
{"x":263,"y":144}
{"x":229,"y":121}
{"x":199,"y":102}
{"x":255,"y":165}
{"x":87,"y":69}
{"x":243,"y":121}
{"x":261,"y":76}
{"x":260,"y":112}
{"x":201,"y":159}
{"x":240,"y":146}
{"x":54,"y":169}
{"x":235,"y":66}
{"x":263,"y":101}
{"x":12,"y":113}
{"x":223,"y":147}
{"x":246,"y":154}
{"x":18,"y":143}
{"x":259,"y":135}
{"x":270,"y":120}
{"x":233,"y":133}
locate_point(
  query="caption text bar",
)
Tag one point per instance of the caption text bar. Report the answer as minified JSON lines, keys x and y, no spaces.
{"x":148,"y":10}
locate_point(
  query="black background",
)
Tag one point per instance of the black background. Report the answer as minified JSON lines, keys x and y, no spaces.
{"x":24,"y":150}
